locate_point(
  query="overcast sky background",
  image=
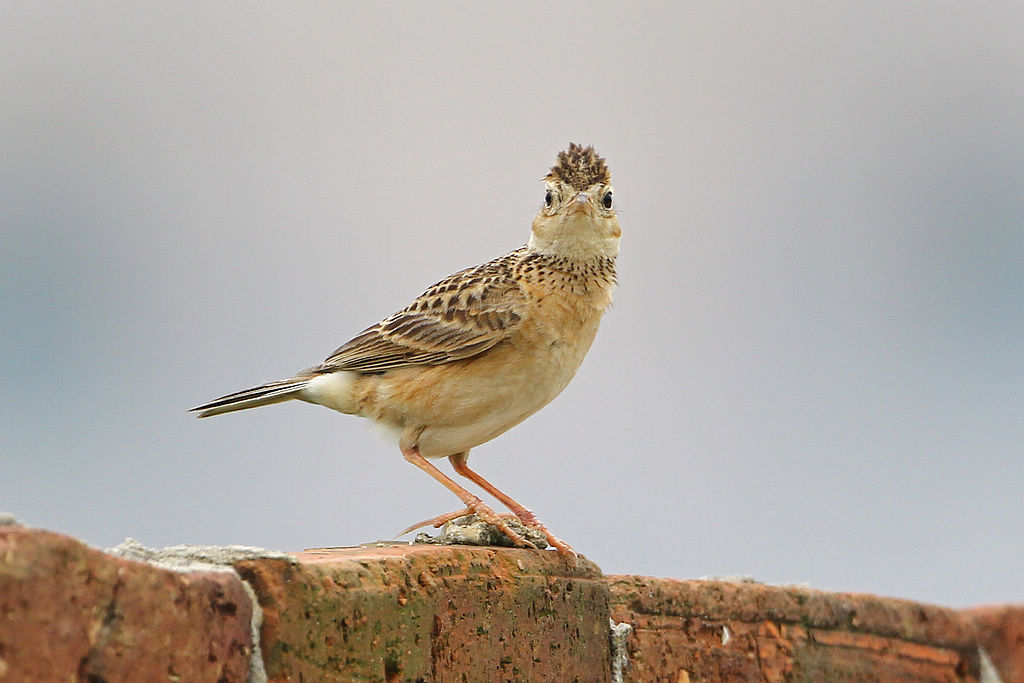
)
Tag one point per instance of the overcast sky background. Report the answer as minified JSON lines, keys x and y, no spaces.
{"x":814,"y":369}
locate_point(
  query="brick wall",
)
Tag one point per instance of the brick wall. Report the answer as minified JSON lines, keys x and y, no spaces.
{"x":69,"y":612}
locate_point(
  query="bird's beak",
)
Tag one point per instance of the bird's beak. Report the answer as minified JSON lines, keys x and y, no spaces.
{"x":581,"y":203}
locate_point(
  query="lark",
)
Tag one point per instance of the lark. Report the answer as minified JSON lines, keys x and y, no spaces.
{"x":483,"y":349}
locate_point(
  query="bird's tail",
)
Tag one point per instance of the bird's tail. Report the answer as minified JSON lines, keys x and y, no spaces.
{"x":263,"y":395}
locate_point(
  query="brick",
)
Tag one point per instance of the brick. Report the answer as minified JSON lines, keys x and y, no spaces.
{"x":1001,"y":633}
{"x":71,"y":612}
{"x":456,"y":613}
{"x":715,"y":630}
{"x":431,"y":613}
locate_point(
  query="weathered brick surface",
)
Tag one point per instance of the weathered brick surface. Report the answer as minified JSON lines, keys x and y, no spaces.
{"x":435,"y":613}
{"x":1001,"y":633}
{"x":710,"y":630}
{"x":69,"y":612}
{"x":429,"y":613}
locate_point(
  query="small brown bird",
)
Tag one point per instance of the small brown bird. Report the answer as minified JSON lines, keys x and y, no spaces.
{"x":483,"y":349}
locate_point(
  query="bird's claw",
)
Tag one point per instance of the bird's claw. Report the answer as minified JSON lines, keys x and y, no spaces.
{"x":499,"y":520}
{"x":438,"y":521}
{"x":486,"y":514}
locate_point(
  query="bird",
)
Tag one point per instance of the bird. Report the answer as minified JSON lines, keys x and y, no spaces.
{"x":481,"y":350}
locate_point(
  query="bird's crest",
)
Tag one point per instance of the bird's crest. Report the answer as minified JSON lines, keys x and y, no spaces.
{"x":579,"y":167}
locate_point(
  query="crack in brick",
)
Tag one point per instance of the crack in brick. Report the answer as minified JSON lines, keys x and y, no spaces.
{"x":196,"y":558}
{"x":91,"y":663}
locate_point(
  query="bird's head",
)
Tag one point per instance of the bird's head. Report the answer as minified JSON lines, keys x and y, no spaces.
{"x":577,"y":218}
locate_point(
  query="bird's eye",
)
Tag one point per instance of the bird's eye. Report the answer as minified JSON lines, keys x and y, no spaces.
{"x":548,"y":199}
{"x":607,"y":200}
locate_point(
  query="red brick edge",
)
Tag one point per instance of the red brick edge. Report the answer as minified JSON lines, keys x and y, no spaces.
{"x":71,"y":612}
{"x":441,"y":613}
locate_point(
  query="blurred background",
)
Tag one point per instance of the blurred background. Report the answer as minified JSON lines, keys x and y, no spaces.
{"x":814,"y":369}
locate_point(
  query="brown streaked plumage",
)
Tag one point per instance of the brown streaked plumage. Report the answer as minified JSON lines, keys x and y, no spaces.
{"x":579,"y":168}
{"x":484,"y":348}
{"x":462,"y":315}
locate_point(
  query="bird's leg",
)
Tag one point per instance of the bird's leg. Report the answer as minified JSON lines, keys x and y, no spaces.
{"x":459,"y":460}
{"x":472,"y":502}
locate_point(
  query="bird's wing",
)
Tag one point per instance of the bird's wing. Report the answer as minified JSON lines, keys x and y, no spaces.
{"x":461,"y":316}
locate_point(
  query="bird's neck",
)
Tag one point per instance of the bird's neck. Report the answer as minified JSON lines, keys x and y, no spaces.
{"x":574,"y":247}
{"x":591,"y":277}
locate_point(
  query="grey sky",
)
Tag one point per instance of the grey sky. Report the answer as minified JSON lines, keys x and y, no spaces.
{"x":813,"y":371}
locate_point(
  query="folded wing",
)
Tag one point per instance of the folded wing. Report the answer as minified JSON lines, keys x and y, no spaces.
{"x":461,"y":316}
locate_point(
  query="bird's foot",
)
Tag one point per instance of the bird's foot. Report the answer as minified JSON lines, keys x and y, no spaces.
{"x":531,"y":522}
{"x":529,"y":519}
{"x":558,"y":544}
{"x":486,"y":514}
{"x":441,"y":520}
{"x":438,"y":521}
